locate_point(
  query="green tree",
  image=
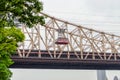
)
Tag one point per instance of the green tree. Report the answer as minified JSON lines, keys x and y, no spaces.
{"x":11,"y":12}
{"x":9,"y":37}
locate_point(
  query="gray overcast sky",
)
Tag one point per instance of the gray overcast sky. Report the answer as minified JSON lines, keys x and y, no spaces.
{"x":98,"y":14}
{"x":102,"y":15}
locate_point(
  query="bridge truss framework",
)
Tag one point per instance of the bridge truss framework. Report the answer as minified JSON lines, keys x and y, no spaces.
{"x":84,"y":43}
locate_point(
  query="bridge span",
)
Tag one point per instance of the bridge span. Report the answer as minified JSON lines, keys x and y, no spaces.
{"x":60,"y":44}
{"x":46,"y":62}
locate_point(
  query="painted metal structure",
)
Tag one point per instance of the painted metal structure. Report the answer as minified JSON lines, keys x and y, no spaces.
{"x":84,"y":43}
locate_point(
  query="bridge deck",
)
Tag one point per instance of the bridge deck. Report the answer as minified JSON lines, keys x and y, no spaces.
{"x":38,"y":63}
{"x":46,"y":62}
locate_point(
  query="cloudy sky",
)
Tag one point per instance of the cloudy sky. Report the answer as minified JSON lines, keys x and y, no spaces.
{"x":98,"y":14}
{"x":102,"y":15}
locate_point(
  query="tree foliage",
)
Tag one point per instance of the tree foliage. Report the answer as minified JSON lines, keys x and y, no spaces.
{"x":23,"y":11}
{"x":13,"y":12}
{"x":9,"y":37}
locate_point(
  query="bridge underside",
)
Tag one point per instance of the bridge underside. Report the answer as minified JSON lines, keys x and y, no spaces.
{"x":38,"y":63}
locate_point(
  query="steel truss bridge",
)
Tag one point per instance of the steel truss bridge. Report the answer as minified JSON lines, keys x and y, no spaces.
{"x":87,"y":48}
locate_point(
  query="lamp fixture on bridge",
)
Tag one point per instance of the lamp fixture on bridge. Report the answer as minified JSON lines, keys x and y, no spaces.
{"x":61,"y":40}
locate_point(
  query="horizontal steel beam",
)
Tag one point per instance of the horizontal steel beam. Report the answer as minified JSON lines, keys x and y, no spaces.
{"x":38,"y":63}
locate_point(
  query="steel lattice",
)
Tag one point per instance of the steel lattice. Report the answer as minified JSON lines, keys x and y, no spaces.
{"x":84,"y":43}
